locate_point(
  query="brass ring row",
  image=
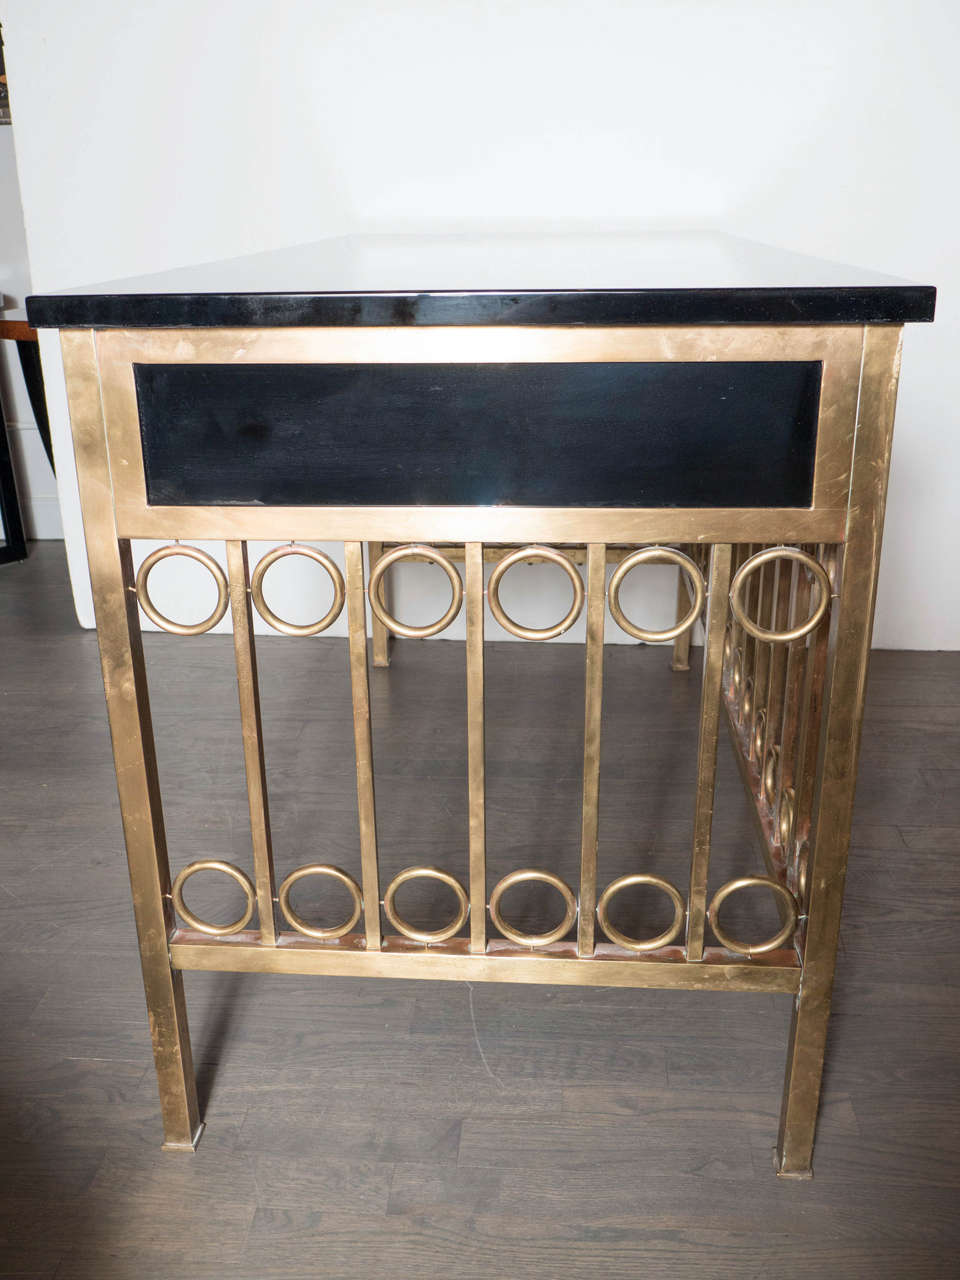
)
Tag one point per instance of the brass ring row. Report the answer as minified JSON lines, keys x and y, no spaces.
{"x":256,"y":590}
{"x":550,"y":555}
{"x":654,"y":554}
{"x":463,"y":907}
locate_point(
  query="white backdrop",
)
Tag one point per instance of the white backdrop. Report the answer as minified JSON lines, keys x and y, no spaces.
{"x":151,"y":136}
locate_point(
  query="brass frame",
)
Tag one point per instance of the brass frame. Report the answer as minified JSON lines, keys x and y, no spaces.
{"x":811,"y":701}
{"x":837,"y":347}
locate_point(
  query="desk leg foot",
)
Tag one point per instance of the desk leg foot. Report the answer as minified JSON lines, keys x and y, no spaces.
{"x":798,"y":1175}
{"x":188,"y":1147}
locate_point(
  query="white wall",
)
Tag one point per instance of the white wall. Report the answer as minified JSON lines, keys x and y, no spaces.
{"x":35,"y":482}
{"x":154,"y":135}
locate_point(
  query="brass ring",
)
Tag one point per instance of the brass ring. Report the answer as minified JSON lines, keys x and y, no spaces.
{"x":786,"y":816}
{"x":762,"y":558}
{"x":746,"y":702}
{"x":410,"y":552}
{"x":426,"y":935}
{"x":154,"y":614}
{"x":657,"y":555}
{"x":759,"y":724}
{"x":291,"y":628}
{"x":213,"y":864}
{"x":634,"y":944}
{"x":800,"y":873}
{"x":553,"y":556}
{"x":533,"y":939}
{"x":736,"y":672}
{"x":754,"y":948}
{"x":312,"y":930}
{"x":771,"y":768}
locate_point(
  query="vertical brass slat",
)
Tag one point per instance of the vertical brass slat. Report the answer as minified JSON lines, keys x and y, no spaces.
{"x":737,"y":634}
{"x":363,"y":740}
{"x":593,"y":714}
{"x":808,"y":748}
{"x":777,"y":665}
{"x":762,"y":648}
{"x":476,"y":763}
{"x":793,"y":690}
{"x":251,"y":728}
{"x":753,"y":594}
{"x":717,"y":607}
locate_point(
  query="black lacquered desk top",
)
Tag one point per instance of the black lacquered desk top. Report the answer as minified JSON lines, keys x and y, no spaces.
{"x":685,"y":278}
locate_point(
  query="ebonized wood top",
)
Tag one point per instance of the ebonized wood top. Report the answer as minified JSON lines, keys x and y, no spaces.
{"x":596,"y":279}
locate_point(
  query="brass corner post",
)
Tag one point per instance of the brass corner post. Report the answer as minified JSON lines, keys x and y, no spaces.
{"x":844,"y":697}
{"x":131,"y":729}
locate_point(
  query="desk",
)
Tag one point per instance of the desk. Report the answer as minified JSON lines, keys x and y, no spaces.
{"x":719,"y":406}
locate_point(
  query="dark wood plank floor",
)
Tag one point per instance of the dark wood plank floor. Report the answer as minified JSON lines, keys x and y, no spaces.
{"x":361,"y":1128}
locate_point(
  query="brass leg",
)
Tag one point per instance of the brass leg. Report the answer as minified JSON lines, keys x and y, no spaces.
{"x":846,"y":680}
{"x":125,"y":683}
{"x":382,"y":638}
{"x":681,"y":646}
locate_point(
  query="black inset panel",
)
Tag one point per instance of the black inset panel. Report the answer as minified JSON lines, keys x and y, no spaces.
{"x":711,"y":434}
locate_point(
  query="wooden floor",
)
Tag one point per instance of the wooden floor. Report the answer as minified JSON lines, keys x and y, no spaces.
{"x":372,"y":1129}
